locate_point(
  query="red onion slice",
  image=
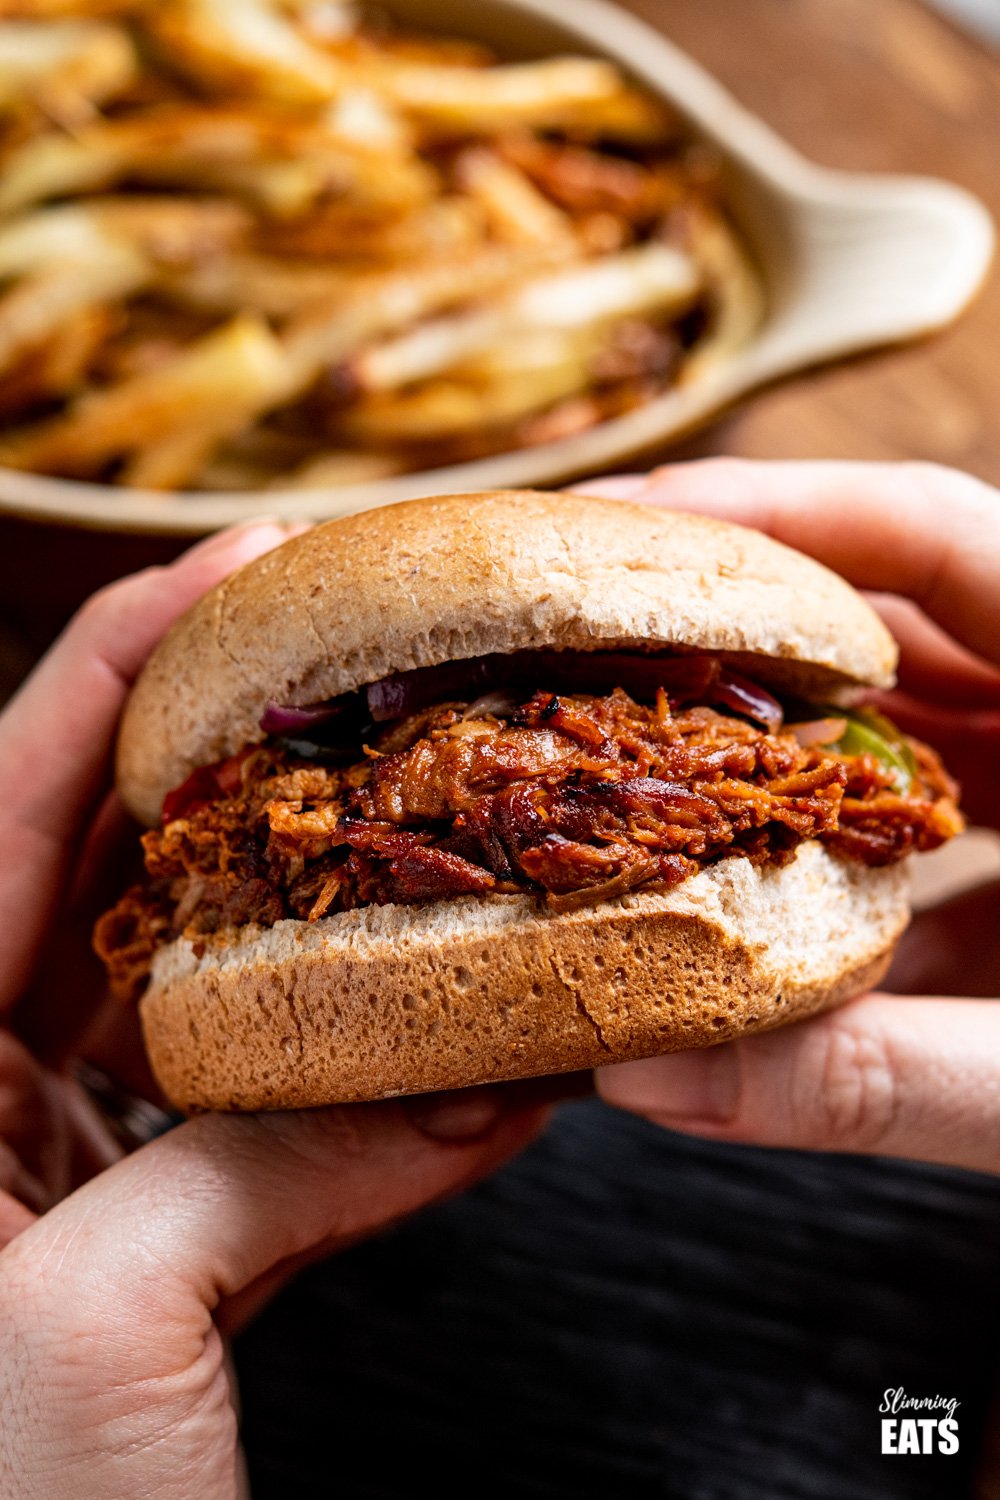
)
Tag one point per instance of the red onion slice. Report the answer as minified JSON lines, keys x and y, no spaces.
{"x":453,"y":681}
{"x":284,"y":719}
{"x":747,"y":698}
{"x":686,"y":679}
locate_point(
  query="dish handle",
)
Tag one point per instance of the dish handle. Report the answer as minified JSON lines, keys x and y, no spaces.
{"x":871,"y":261}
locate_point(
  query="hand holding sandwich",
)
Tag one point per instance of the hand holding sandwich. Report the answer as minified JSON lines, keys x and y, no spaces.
{"x":114,"y":1301}
{"x":119,"y":1277}
{"x":917,"y":1077}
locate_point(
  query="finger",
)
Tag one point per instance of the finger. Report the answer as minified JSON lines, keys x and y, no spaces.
{"x":895,"y":1077}
{"x":127,"y":1271}
{"x":952,"y":948}
{"x":932,"y":666}
{"x":463,"y":1115}
{"x":929,"y":533}
{"x":56,"y":734}
{"x":69,"y":985}
{"x":49,"y":1125}
{"x":223,"y":1199}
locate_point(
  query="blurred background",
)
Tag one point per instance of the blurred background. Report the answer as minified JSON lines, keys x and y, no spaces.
{"x":624,"y":1312}
{"x":981,"y":15}
{"x":867,"y":85}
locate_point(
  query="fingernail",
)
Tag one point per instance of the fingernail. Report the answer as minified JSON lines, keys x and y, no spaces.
{"x":614,"y":487}
{"x":254,"y":537}
{"x":283,"y":525}
{"x":254,"y":523}
{"x":690,"y":1086}
{"x":464,"y":1115}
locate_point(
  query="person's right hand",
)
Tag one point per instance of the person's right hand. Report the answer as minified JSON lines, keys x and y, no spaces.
{"x":915,"y":1077}
{"x":115,"y":1297}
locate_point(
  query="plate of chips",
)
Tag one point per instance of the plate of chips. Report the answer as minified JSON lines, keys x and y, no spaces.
{"x":309,"y":256}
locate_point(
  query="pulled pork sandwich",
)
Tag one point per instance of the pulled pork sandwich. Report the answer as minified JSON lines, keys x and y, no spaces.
{"x":497,"y":785}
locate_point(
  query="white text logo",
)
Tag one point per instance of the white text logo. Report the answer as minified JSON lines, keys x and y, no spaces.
{"x":935,"y":1430}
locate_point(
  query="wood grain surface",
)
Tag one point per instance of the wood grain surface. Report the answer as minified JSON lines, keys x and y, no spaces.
{"x":873,"y":86}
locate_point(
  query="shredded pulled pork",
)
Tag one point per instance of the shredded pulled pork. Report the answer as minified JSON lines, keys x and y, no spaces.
{"x":573,"y":797}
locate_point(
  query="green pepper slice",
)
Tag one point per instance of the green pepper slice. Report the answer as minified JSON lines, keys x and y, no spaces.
{"x":869,"y":732}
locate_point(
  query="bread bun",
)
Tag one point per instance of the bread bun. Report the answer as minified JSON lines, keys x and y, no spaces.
{"x":428,"y":581}
{"x":386,"y":1000}
{"x":394,"y":1000}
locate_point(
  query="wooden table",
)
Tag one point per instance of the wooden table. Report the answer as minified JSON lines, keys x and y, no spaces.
{"x":873,"y":86}
{"x":876,"y":85}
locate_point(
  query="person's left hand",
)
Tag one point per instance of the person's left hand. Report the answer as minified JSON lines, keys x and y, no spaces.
{"x":918,"y":1076}
{"x":119,"y":1275}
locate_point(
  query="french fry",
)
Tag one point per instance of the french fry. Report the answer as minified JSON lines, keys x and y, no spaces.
{"x":66,"y":235}
{"x":367,"y":234}
{"x":323,"y":21}
{"x":245,"y":47}
{"x":585,"y":181}
{"x":650,"y":278}
{"x":287,"y":189}
{"x":626,"y":115}
{"x":174,"y":230}
{"x":65,"y":68}
{"x":38,"y":304}
{"x":170,"y":231}
{"x":360,"y":49}
{"x":62,"y":10}
{"x":274,"y":285}
{"x":565,"y":419}
{"x":604,"y":233}
{"x":545,"y":95}
{"x":514,"y":208}
{"x":448,"y":409}
{"x":226,"y":377}
{"x":170,"y":463}
{"x":380,"y":304}
{"x":299,"y":250}
{"x":579,"y":94}
{"x":337,"y":470}
{"x":571,"y":350}
{"x":364,"y":116}
{"x":232,"y":474}
{"x":734,"y":285}
{"x":205,"y":146}
{"x":57,"y":368}
{"x":50,"y":166}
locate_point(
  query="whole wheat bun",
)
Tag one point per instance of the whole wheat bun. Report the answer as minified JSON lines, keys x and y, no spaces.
{"x":391,"y":1000}
{"x":428,"y":581}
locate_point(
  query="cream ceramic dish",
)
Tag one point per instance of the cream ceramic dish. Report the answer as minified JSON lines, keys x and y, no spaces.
{"x":848,"y":262}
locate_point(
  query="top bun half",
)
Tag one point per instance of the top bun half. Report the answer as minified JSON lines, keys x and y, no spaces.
{"x":427,"y":581}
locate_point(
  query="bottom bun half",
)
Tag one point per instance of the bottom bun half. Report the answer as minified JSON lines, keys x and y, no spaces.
{"x":401,"y":1000}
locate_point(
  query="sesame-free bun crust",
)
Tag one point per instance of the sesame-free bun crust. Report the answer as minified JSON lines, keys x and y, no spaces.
{"x":397,"y":1000}
{"x":434,"y":580}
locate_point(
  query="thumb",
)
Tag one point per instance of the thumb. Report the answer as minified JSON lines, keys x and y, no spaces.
{"x":197,"y":1216}
{"x":884,"y":1075}
{"x":108,"y":1347}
